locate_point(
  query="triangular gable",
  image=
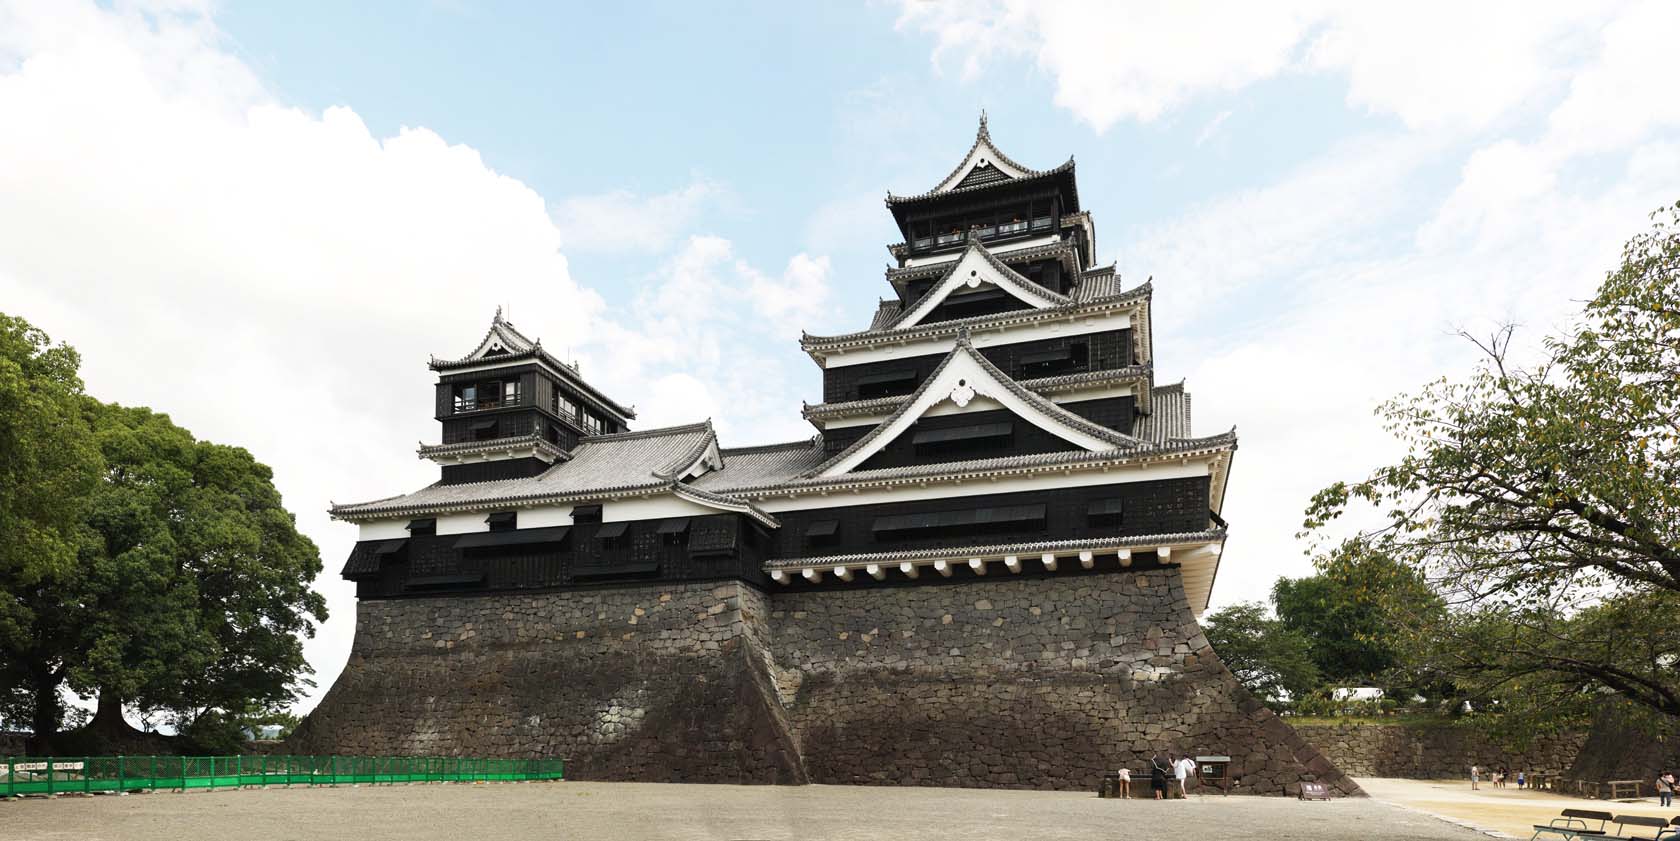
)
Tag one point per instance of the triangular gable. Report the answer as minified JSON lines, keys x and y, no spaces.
{"x":976,"y":267}
{"x":983,"y":154}
{"x":960,"y":378}
{"x":501,"y":339}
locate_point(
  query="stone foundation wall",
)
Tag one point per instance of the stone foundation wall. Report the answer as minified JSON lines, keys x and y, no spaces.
{"x":1012,"y":682}
{"x":654,"y":684}
{"x":1433,"y":752}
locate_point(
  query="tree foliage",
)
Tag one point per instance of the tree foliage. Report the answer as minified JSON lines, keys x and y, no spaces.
{"x":1542,"y":499}
{"x":1352,"y":611}
{"x":48,"y":468}
{"x":154,"y":569}
{"x":1273,"y":661}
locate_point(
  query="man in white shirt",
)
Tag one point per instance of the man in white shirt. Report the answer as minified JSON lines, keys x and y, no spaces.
{"x":1183,"y":767}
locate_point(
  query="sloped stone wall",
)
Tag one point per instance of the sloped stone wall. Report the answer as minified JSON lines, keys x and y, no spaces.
{"x":1433,"y":752}
{"x":1019,"y":683}
{"x":656,"y":684}
{"x":1007,"y":682}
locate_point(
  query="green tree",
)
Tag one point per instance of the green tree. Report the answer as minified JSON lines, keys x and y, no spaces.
{"x":1353,"y":613}
{"x":48,"y":468}
{"x":198,"y":586}
{"x":1544,"y":500}
{"x":1272,"y":661}
{"x":137,"y":563}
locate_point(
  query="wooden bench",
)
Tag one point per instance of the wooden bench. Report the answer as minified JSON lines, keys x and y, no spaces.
{"x":1660,"y":826}
{"x":1573,"y":822}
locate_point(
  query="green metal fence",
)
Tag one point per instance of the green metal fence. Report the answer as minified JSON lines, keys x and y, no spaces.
{"x":49,"y":775}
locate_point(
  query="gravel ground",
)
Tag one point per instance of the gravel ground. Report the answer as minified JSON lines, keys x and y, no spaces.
{"x":1510,"y":810}
{"x":638,"y":811}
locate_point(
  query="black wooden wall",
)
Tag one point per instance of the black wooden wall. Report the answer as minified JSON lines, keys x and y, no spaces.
{"x":1116,"y":413}
{"x":1106,"y":351}
{"x":722,"y":546}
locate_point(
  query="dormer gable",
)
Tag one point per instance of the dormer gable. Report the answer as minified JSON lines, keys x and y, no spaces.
{"x":984,"y":164}
{"x":966,"y":380}
{"x":978,"y":269}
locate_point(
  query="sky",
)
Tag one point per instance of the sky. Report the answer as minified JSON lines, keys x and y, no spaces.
{"x":263,"y":218}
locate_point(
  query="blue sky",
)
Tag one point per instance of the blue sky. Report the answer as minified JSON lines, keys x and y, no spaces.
{"x":261,"y":218}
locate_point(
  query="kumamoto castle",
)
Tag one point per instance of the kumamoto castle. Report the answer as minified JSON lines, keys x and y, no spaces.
{"x":984,"y":569}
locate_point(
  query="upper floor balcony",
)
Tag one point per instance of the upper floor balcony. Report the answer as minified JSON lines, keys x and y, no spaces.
{"x":494,"y":394}
{"x":956,"y":235}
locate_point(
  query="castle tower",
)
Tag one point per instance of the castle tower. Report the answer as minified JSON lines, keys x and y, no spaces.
{"x":984,"y":569}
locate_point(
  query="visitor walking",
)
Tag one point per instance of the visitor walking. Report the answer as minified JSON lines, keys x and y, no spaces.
{"x":1665,"y":789}
{"x":1183,"y":768}
{"x":1158,"y":777}
{"x":1475,"y":778}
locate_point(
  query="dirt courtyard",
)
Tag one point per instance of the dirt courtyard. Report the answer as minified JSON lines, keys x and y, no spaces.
{"x":1510,"y":810}
{"x":638,"y":811}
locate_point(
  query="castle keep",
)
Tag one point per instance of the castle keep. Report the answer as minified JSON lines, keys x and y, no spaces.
{"x":984,"y":569}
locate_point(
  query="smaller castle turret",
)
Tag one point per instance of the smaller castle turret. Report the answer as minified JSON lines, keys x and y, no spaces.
{"x":510,"y":410}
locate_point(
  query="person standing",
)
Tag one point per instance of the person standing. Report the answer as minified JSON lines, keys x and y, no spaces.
{"x":1475,"y":778}
{"x":1183,"y":767}
{"x":1158,"y":777}
{"x":1665,"y":789}
{"x":1522,"y":780}
{"x":1126,"y":783}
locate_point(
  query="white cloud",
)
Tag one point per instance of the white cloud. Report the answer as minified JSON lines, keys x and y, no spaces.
{"x":1435,"y":64}
{"x":623,"y":221}
{"x":276,"y":278}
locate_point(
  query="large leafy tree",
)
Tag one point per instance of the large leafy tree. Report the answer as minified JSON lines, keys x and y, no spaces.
{"x":48,"y":468}
{"x":1271,"y":660}
{"x":1544,"y":499}
{"x":198,"y":584}
{"x":1352,"y":613}
{"x":137,"y":563}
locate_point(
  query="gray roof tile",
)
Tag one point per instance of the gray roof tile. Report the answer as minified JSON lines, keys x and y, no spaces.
{"x":1169,"y":415}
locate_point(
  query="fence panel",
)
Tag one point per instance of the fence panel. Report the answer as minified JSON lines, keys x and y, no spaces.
{"x":22,"y":775}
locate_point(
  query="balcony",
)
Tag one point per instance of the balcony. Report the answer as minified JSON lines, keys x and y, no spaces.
{"x":1001,"y":230}
{"x":472,"y":404}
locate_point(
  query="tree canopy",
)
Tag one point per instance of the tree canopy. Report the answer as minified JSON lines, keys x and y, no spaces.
{"x":179,"y":583}
{"x":1541,"y":500}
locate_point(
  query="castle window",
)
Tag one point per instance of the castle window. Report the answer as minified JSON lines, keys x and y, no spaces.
{"x":426,"y":527}
{"x":1076,"y":356}
{"x":484,"y":430}
{"x":974,"y":439}
{"x":584,"y":514}
{"x":1104,"y":512}
{"x":822,"y":533}
{"x":674,"y":531}
{"x":503,"y":521}
{"x":959,"y":523}
{"x":886,"y":384}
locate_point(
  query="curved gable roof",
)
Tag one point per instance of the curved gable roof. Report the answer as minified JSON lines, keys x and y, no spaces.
{"x":963,"y":375}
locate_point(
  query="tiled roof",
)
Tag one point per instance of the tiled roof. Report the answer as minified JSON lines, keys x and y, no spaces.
{"x":1031,"y":175}
{"x":1042,"y":385}
{"x":601,"y":464}
{"x":1007,"y":465}
{"x":982,"y":136}
{"x":1079,"y":306}
{"x":499,"y":445}
{"x":1037,"y":403}
{"x":897,"y":275}
{"x":763,"y":465}
{"x":1007,"y":275}
{"x":1028,"y":549}
{"x":885,"y":312}
{"x":517,"y":347}
{"x":1169,"y":415}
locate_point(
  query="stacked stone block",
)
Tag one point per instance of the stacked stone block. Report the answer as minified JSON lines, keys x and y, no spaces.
{"x":1042,"y":683}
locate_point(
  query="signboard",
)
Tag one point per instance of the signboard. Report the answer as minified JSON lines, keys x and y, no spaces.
{"x":42,"y":766}
{"x":1314,"y":791}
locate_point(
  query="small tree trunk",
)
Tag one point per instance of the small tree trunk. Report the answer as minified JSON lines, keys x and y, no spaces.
{"x":44,"y":722}
{"x":108,"y":716}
